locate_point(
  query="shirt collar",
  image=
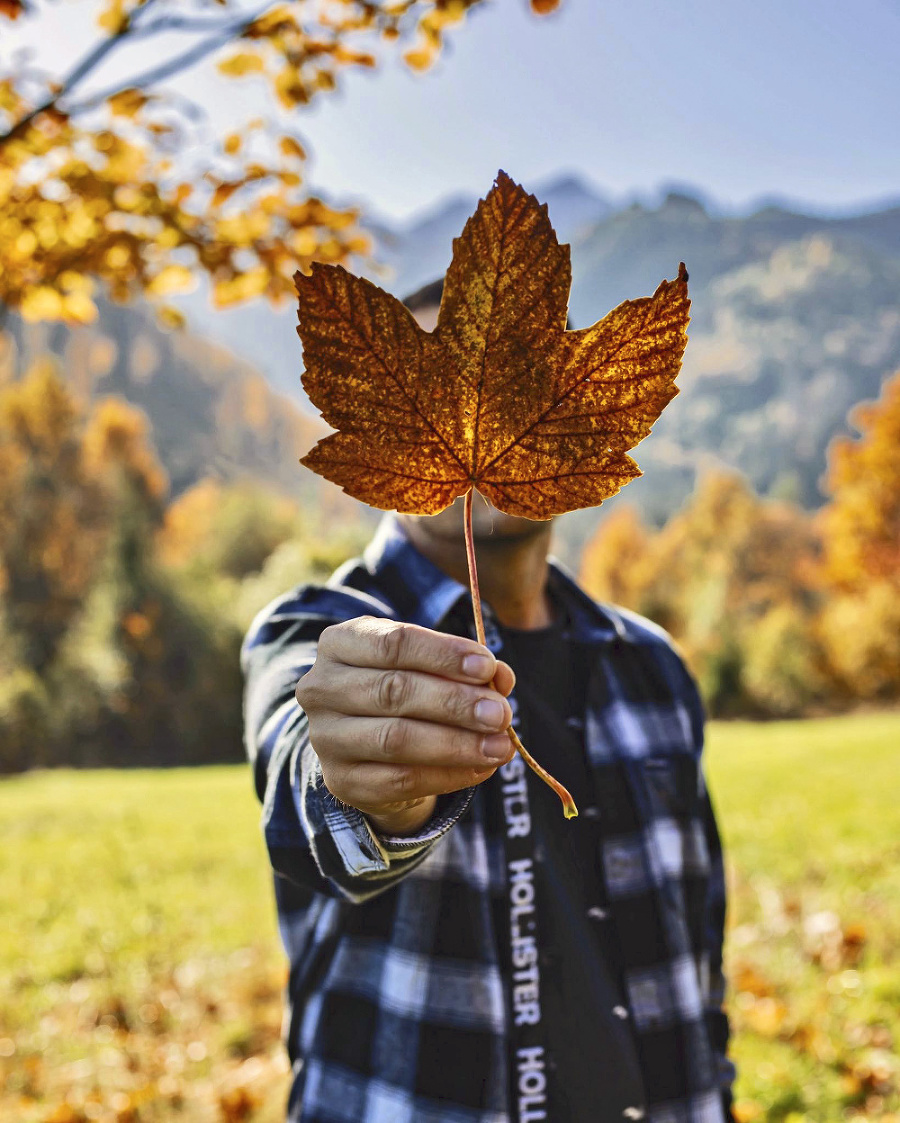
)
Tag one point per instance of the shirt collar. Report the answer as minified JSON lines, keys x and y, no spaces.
{"x":433,"y":594}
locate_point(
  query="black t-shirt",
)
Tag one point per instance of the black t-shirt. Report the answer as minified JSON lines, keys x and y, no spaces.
{"x":594,"y":1073}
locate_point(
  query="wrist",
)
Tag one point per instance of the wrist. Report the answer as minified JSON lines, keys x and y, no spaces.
{"x":402,"y":819}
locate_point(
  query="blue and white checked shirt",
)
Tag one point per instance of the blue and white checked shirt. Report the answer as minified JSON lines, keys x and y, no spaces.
{"x":399,"y":1011}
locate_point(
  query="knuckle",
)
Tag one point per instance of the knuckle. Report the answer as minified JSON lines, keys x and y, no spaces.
{"x":391,"y":690}
{"x":456,"y":779}
{"x":329,"y":637}
{"x":402,"y":782}
{"x":457,"y":748}
{"x":457,"y":704}
{"x":451,"y":748}
{"x":304,"y":692}
{"x":391,"y":738}
{"x":389,"y":644}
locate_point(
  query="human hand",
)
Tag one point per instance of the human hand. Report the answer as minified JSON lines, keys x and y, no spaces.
{"x":399,"y":714}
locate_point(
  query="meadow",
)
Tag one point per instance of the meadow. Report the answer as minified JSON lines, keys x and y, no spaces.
{"x":141,"y":976}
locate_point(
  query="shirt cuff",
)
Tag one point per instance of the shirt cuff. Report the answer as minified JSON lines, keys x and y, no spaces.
{"x":448,"y":810}
{"x":362,"y":851}
{"x":356,"y":848}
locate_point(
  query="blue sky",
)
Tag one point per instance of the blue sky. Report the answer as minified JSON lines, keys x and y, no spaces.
{"x":796,"y":99}
{"x":799,"y":99}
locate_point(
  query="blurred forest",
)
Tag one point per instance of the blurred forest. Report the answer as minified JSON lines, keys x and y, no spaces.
{"x":122,"y":606}
{"x":780,"y":612}
{"x":152,"y":500}
{"x":121,"y":613}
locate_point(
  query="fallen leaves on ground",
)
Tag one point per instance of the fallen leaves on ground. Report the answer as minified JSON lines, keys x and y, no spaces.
{"x":201,"y":1043}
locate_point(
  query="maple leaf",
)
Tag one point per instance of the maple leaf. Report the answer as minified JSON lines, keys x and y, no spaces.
{"x":500,"y":397}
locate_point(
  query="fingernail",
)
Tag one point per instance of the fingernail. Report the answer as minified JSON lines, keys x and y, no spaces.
{"x":490,"y":712}
{"x":478,"y":666}
{"x":495,"y":746}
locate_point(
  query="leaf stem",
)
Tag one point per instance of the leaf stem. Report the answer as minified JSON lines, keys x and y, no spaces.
{"x":569,"y":808}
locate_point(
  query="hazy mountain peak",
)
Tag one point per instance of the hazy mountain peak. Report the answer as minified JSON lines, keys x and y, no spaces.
{"x":794,"y":318}
{"x":684,"y":201}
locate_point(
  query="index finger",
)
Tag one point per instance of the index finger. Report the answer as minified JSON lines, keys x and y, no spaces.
{"x":391,"y":645}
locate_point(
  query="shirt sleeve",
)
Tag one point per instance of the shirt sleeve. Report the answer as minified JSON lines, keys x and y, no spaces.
{"x":314,"y":840}
{"x":713,"y":935}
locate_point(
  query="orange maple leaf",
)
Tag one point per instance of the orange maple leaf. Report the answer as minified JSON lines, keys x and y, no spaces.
{"x":500,"y":397}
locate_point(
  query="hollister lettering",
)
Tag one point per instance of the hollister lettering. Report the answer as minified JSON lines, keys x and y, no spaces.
{"x":526,"y":979}
{"x":515,"y":799}
{"x":532,"y":1084}
{"x":529,"y":1086}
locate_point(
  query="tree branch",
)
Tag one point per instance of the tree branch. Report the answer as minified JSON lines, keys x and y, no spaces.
{"x":175,"y":65}
{"x":133,"y":30}
{"x":77,"y":74}
{"x":179,"y":23}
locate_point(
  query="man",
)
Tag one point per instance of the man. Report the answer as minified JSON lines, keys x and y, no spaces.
{"x":460,"y":953}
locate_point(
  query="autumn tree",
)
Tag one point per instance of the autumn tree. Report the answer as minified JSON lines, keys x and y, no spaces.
{"x":121,"y":617}
{"x":861,"y":525}
{"x":776,"y":609}
{"x":149,"y":669}
{"x":51,"y":514}
{"x":226,"y":529}
{"x":613,"y":564}
{"x":862,"y":521}
{"x":64,"y":483}
{"x":244,"y":544}
{"x":104,"y":657}
{"x":122,"y":181}
{"x":734,"y":578}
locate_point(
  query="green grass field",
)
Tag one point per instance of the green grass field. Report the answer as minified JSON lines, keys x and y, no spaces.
{"x":140,"y":975}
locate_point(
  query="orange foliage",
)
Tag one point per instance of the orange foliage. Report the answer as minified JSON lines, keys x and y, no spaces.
{"x":188,"y":521}
{"x":51,"y":512}
{"x":229,"y":529}
{"x":119,"y":186}
{"x":861,"y":634}
{"x":118,"y":438}
{"x":775,"y":608}
{"x":726,"y":551}
{"x":862,"y":522}
{"x":60,"y":476}
{"x":860,"y":624}
{"x":612,"y":562}
{"x":734,"y":578}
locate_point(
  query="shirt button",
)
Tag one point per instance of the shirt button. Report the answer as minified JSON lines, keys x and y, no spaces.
{"x":574,"y":722}
{"x":634,"y":1113}
{"x":596,"y":913}
{"x":591,"y":812}
{"x":622,"y":1013}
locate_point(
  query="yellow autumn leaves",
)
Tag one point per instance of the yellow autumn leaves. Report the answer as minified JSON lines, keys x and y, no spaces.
{"x":128,"y":201}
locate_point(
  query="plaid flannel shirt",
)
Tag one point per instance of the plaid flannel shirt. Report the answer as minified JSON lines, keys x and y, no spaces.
{"x":398,"y":1008}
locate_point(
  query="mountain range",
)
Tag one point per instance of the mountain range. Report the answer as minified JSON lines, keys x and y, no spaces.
{"x":212,"y":412}
{"x":795,"y":317}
